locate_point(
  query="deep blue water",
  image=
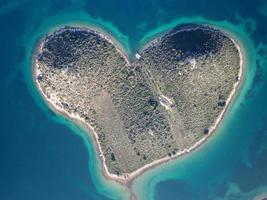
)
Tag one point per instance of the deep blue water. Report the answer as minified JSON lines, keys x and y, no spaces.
{"x":44,"y":158}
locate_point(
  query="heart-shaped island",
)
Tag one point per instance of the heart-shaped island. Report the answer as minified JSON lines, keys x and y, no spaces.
{"x":147,"y":111}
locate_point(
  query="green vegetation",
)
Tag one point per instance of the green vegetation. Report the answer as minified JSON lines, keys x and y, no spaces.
{"x":162,"y":103}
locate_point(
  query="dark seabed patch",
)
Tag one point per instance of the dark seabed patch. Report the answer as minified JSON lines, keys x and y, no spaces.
{"x":176,"y":190}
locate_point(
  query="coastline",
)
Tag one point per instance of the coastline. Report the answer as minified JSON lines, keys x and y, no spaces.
{"x":261,"y":197}
{"x":127,"y":179}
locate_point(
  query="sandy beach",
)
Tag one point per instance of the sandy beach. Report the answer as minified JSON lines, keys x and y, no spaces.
{"x":261,"y":197}
{"x":127,"y":179}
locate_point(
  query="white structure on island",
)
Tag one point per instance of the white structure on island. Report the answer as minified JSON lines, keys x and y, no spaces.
{"x":166,"y":102}
{"x":137,"y":55}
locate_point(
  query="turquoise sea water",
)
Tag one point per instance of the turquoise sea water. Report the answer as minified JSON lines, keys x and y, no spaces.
{"x":44,"y":156}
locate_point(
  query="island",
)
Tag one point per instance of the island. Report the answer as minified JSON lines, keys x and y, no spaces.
{"x":141,"y":112}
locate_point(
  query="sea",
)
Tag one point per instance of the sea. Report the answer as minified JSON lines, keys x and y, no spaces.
{"x":43,"y":156}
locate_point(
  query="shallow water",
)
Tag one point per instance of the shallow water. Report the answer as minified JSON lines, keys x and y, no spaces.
{"x":44,"y":156}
